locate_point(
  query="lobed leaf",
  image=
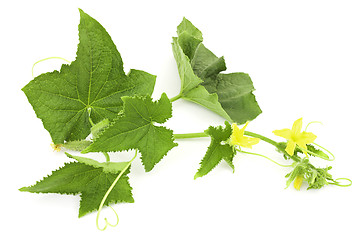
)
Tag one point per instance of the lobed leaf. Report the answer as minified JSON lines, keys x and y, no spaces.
{"x":90,"y":182}
{"x":135,"y":129}
{"x":94,"y":82}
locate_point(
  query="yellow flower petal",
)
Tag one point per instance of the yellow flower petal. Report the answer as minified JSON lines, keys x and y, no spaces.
{"x":248,"y":142}
{"x":242,"y":130}
{"x":290,"y":148}
{"x":234,"y":138}
{"x":307,"y":137}
{"x":296,"y":128}
{"x":237,"y":137}
{"x":296,"y":137}
{"x":303,"y":147}
{"x":285,"y":133}
{"x":298,"y":182}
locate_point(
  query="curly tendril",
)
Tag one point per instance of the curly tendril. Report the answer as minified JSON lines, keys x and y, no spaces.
{"x":337,"y":183}
{"x":45,"y":59}
{"x":107,"y":194}
{"x":260,"y":155}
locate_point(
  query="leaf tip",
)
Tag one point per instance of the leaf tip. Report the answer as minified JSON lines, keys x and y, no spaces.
{"x":82,"y":13}
{"x":24,"y":189}
{"x":86,"y":150}
{"x":148,"y":168}
{"x":197,"y":175}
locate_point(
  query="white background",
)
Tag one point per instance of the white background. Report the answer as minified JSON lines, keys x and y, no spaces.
{"x":303,"y":57}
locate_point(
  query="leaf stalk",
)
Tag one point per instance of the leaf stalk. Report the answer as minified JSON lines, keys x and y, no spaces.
{"x":190,"y":135}
{"x":176,"y":97}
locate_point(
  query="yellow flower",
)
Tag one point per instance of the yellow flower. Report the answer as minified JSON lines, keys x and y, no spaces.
{"x":56,"y":147}
{"x":298,"y":181}
{"x":237,"y":137}
{"x":296,"y":137}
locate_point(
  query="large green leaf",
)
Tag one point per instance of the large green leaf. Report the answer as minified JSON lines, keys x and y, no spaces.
{"x":229,"y":95}
{"x":89,"y":181}
{"x":94,"y":82}
{"x":135,"y":129}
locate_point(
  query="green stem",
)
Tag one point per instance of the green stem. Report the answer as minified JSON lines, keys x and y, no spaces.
{"x":272,"y":142}
{"x":265,"y":139}
{"x":247,"y":133}
{"x":107,"y":157}
{"x":190,"y":135}
{"x":176,"y":97}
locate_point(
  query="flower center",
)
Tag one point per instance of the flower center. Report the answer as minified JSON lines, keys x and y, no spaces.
{"x":294,"y":137}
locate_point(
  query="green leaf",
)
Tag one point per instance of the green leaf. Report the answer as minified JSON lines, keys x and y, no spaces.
{"x":100,"y":126}
{"x":202,"y":97}
{"x":94,"y":82}
{"x":90,"y":182}
{"x":312,"y":149}
{"x":231,"y":94}
{"x":188,"y":28}
{"x":135,"y":129}
{"x":188,"y":78}
{"x":219,"y":149}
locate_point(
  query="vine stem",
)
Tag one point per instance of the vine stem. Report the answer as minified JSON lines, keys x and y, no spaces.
{"x":263,"y":138}
{"x":203,"y":134}
{"x":107,"y":194}
{"x":247,"y":133}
